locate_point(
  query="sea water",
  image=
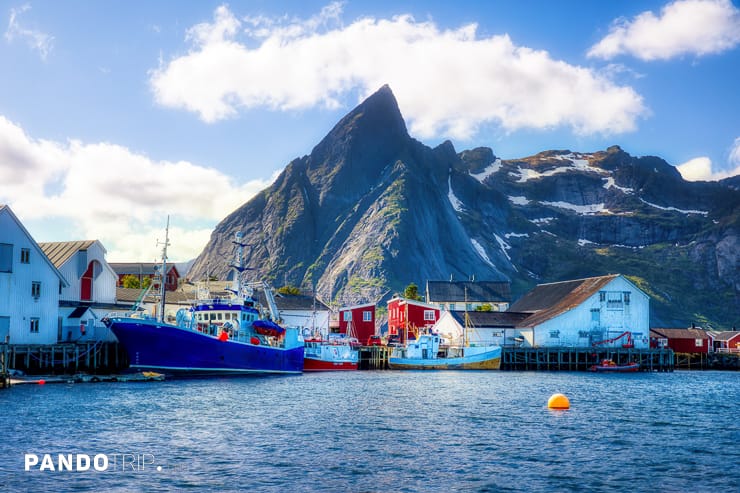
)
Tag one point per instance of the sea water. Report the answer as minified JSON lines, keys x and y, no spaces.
{"x":377,"y":431}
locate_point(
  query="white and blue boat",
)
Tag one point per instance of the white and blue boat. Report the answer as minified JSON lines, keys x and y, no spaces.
{"x":427,"y":353}
{"x":216,"y":336}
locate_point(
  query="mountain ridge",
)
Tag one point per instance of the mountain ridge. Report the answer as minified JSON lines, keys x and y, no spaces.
{"x":371,"y":209}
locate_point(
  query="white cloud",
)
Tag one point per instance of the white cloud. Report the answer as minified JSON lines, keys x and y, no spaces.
{"x":37,"y":40}
{"x":107,"y":192}
{"x":695,"y":27}
{"x":734,"y":158}
{"x":447,"y":82}
{"x":700,"y":168}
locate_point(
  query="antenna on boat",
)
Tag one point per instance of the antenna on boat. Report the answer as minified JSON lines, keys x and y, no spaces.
{"x":162,"y":275}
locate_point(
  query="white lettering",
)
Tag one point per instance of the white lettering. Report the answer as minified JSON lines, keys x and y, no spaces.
{"x":31,"y":460}
{"x":65,"y":462}
{"x":144,"y":461}
{"x":80,"y":459}
{"x":100,"y":462}
{"x":47,"y":463}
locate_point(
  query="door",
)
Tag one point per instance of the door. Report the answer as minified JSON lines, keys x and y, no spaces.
{"x":86,"y":283}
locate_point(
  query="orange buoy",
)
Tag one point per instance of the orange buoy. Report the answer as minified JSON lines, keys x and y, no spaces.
{"x":558,"y":401}
{"x":42,"y":381}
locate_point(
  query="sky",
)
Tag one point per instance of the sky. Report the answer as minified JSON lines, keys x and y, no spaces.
{"x":116,"y":114}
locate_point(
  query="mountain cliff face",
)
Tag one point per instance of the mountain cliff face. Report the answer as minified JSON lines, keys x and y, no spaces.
{"x":371,"y":209}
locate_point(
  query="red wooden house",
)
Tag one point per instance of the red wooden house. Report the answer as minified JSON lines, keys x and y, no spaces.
{"x":680,"y":340}
{"x":406,"y":317}
{"x":727,"y":341}
{"x":358,"y":321}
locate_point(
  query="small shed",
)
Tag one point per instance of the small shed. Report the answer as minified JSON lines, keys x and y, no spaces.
{"x":727,"y":341}
{"x":691,"y":340}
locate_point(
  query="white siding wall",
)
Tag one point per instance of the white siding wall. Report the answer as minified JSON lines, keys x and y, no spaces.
{"x":16,"y":301}
{"x":576,"y":327}
{"x":104,"y":278}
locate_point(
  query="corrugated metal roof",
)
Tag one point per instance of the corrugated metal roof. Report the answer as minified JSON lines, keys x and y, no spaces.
{"x":292,"y":302}
{"x":472,"y":291}
{"x":679,"y":333}
{"x":139,"y":268}
{"x":546,"y":301}
{"x":59,"y":252}
{"x":725,"y":335}
{"x":490,"y":319}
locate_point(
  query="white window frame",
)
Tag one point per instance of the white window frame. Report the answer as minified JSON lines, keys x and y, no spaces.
{"x":429,"y":315}
{"x":347,"y":315}
{"x":367,"y":316}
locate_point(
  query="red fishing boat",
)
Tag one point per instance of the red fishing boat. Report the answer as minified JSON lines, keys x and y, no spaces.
{"x":610,"y":366}
{"x":329,"y":355}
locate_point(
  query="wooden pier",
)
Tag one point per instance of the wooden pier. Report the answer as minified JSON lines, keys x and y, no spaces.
{"x":55,"y":359}
{"x":707,"y":361}
{"x":4,"y":375}
{"x":374,"y":357}
{"x":582,"y":358}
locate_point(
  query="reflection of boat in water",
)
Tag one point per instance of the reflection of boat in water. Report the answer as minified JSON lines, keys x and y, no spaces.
{"x":608,"y":365}
{"x":329,"y":355}
{"x":215,"y":336}
{"x":425,"y":353}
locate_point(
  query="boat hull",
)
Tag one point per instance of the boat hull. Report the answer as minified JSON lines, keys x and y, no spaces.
{"x":179,"y":351}
{"x":489,"y":360}
{"x":615,"y":369}
{"x":315,"y":364}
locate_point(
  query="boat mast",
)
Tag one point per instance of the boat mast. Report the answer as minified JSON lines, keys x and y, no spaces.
{"x":467,"y":319}
{"x":163,"y":274}
{"x":238,"y":265}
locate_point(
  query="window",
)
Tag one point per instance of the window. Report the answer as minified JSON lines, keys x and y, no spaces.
{"x":347,"y":316}
{"x":25,"y":256}
{"x":595,"y":315}
{"x":602,"y":296}
{"x":34,"y":325}
{"x":468,"y":306}
{"x":699,"y":342}
{"x":429,"y":315}
{"x":626,"y":297}
{"x":6,"y":257}
{"x":452,"y":306}
{"x":614,"y":300}
{"x":441,"y":306}
{"x":367,"y":316}
{"x":35,"y":289}
{"x":554,"y":334}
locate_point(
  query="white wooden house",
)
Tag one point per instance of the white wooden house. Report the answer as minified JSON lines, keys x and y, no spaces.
{"x":605,"y":311}
{"x":477,"y":328}
{"x":29,"y":286}
{"x":91,"y":292}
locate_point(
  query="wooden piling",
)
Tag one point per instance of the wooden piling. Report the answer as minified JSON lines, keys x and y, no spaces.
{"x":582,"y":358}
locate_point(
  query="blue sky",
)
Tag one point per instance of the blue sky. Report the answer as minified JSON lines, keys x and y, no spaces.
{"x":115,"y":114}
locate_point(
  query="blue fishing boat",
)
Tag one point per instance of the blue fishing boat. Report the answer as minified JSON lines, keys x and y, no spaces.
{"x":216,"y":336}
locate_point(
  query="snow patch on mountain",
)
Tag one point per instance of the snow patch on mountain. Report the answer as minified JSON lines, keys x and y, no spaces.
{"x":580,"y":209}
{"x":490,"y":170}
{"x":610,"y":183}
{"x":682,"y":211}
{"x":482,"y":252}
{"x":576,"y":164}
{"x":519,"y":200}
{"x":456,"y":203}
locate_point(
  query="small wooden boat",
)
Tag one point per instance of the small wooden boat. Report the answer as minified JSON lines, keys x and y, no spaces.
{"x":610,"y":366}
